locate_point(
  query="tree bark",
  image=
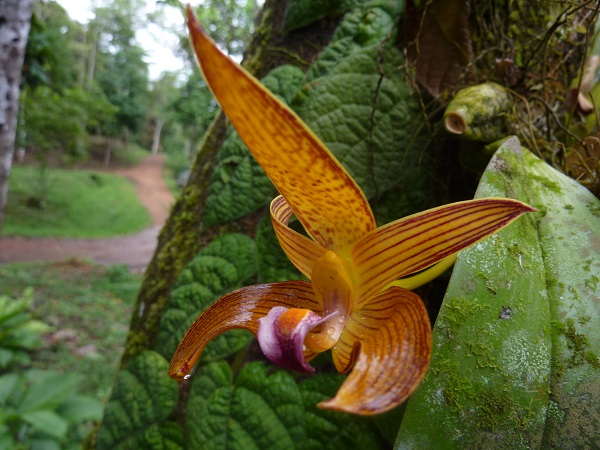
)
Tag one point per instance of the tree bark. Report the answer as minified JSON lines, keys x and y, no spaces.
{"x":15,"y":21}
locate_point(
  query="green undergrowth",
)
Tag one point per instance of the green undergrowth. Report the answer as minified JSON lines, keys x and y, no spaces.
{"x":79,"y":204}
{"x":88,"y":307}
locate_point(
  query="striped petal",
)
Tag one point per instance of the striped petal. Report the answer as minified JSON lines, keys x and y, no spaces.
{"x":239,"y":309}
{"x":324,"y":197}
{"x":418,"y":241}
{"x":390,"y":340}
{"x":302,"y":251}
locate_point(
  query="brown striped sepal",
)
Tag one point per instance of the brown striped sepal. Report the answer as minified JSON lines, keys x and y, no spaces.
{"x":416,"y":242}
{"x":324,"y":197}
{"x":387,"y":344}
{"x":239,"y":309}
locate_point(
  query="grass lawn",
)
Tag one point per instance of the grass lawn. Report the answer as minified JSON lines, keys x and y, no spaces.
{"x":80,"y":204}
{"x":89,"y":307}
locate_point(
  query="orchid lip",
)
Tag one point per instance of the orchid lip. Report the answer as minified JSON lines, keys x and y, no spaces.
{"x":281,"y":335}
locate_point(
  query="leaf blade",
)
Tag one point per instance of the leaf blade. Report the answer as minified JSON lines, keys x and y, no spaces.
{"x":489,"y":378}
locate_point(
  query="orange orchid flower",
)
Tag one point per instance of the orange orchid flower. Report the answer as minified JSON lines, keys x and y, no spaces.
{"x":377,"y":331}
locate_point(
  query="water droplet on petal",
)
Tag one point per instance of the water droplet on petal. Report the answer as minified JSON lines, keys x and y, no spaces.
{"x":188,"y":376}
{"x":330,"y":331}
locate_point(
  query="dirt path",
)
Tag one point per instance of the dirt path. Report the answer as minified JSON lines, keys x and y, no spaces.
{"x":134,"y":250}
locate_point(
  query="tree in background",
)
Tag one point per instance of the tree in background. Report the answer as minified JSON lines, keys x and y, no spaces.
{"x":192,"y":110}
{"x":15,"y":19}
{"x":120,"y":69}
{"x":230,"y":22}
{"x":56,"y":108}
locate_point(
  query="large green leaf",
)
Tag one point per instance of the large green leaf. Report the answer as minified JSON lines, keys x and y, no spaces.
{"x":260,"y":408}
{"x":569,"y":233}
{"x":81,"y":408}
{"x":137,"y":414}
{"x":8,"y":383}
{"x":219,"y":268}
{"x":304,"y":12}
{"x":256,"y":410}
{"x":364,"y":115}
{"x":513,"y":363}
{"x":47,"y":390}
{"x":47,"y":422}
{"x":329,"y":430}
{"x":271,"y":262}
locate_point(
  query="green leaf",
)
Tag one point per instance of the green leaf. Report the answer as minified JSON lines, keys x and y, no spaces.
{"x":569,"y":233}
{"x":239,"y":185}
{"x":8,"y":383}
{"x":142,"y":400}
{"x":6,"y":357}
{"x":331,"y":430}
{"x":6,"y":438}
{"x":284,"y":81}
{"x":514,"y":362}
{"x":355,"y":31}
{"x":45,"y":444}
{"x":221,"y":267}
{"x":272,"y":263}
{"x":255,"y":410}
{"x":163,"y":436}
{"x":365,"y":119}
{"x":47,"y":422}
{"x":81,"y":408}
{"x":48,"y":390}
{"x":301,"y":13}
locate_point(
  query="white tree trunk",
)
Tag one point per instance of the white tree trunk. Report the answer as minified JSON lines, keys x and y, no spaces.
{"x":156,"y":138}
{"x":92,"y":61}
{"x":15,"y":20}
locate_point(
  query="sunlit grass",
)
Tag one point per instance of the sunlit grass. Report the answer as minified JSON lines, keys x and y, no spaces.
{"x":81,"y":204}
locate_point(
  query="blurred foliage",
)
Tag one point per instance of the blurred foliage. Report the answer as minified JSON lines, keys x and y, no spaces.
{"x":43,"y":410}
{"x":54,"y":120}
{"x":38,"y":409}
{"x":20,"y":333}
